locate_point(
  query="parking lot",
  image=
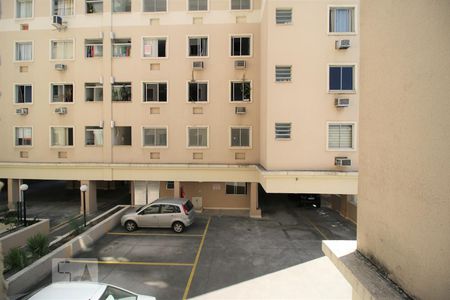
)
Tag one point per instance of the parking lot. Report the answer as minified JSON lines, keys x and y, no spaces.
{"x":216,"y":252}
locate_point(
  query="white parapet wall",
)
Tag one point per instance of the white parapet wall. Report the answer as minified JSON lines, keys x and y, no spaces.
{"x":19,"y":238}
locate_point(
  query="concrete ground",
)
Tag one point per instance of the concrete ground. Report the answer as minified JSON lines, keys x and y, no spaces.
{"x":223,"y":257}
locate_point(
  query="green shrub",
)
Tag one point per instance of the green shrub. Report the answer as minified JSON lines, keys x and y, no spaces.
{"x":38,"y":245}
{"x":16,"y":259}
{"x":77,"y":226}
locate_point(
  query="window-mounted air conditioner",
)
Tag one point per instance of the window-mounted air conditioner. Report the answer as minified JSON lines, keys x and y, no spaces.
{"x":342,"y":161}
{"x":198,"y":65}
{"x":58,"y":23}
{"x":342,"y":44}
{"x":240,"y":110}
{"x":61,"y":110}
{"x":22,"y":111}
{"x":341,"y":102}
{"x":60,"y":67}
{"x":240,"y":64}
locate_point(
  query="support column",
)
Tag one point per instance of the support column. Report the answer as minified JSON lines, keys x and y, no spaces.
{"x":176,"y":189}
{"x":255,"y":211}
{"x":91,"y":196}
{"x":13,"y":193}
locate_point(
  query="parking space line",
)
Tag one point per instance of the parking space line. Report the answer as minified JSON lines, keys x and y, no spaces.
{"x":140,"y":263}
{"x":316,"y":228}
{"x":197,"y":257}
{"x":155,"y":234}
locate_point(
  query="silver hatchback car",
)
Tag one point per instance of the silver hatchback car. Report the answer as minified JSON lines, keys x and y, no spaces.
{"x":162,"y":213}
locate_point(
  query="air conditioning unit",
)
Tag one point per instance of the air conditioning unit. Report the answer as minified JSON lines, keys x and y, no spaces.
{"x":61,"y":110}
{"x":198,"y":65}
{"x":240,"y":110}
{"x":342,"y":44}
{"x":58,"y":23}
{"x":22,"y":111}
{"x":60,"y":67}
{"x":342,"y":102}
{"x":240,"y":64}
{"x":342,"y":161}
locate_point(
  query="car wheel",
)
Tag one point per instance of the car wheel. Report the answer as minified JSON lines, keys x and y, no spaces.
{"x":130,"y":226}
{"x":178,"y":227}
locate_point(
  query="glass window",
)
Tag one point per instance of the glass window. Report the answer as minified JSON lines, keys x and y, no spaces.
{"x":155,"y":137}
{"x":283,"y":16}
{"x":282,"y":131}
{"x":23,"y":93}
{"x":240,"y":137}
{"x":94,"y":6}
{"x":62,"y":49}
{"x":240,"y":91}
{"x":24,"y":9}
{"x":342,"y":19}
{"x":283,"y":73}
{"x":198,"y":92}
{"x":121,"y":47}
{"x":154,"y":47}
{"x":24,"y":136}
{"x":240,"y":45}
{"x":198,"y":137}
{"x":61,"y":136}
{"x":62,"y":7}
{"x":240,"y":4}
{"x":154,"y":5}
{"x":169,"y":209}
{"x":121,"y":91}
{"x":24,"y":51}
{"x":198,"y":5}
{"x":236,"y":188}
{"x":62,"y":93}
{"x":93,"y":136}
{"x":121,"y":136}
{"x":94,"y":48}
{"x":170,"y":185}
{"x":151,"y":210}
{"x":340,"y":136}
{"x":94,"y":92}
{"x":121,"y":6}
{"x":155,"y":92}
{"x":341,"y":78}
{"x":198,"y":46}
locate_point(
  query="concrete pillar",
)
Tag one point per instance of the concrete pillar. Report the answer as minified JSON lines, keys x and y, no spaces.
{"x":91,"y":196}
{"x":255,"y":211}
{"x":176,"y":189}
{"x":13,"y":193}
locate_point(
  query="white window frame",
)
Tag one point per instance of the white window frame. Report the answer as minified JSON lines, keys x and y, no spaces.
{"x":87,"y":45}
{"x":98,"y":84}
{"x":103,"y":137}
{"x":61,"y":83}
{"x":238,"y":10}
{"x":121,"y":12}
{"x":26,"y":18}
{"x":355,"y":19}
{"x":292,"y":16}
{"x":113,"y":43}
{"x":155,"y":127}
{"x":64,"y":16}
{"x":355,"y":78}
{"x":354,"y":136}
{"x":154,"y":82}
{"x":198,"y":36}
{"x":275,"y":131}
{"x":15,"y":47}
{"x":197,"y":11}
{"x":240,"y":35}
{"x":250,"y":139}
{"x":15,"y":138}
{"x":155,"y":37}
{"x":62,"y":59}
{"x":154,"y":12}
{"x":207,"y":92}
{"x":240,"y":101}
{"x":235,"y":185}
{"x":95,"y":13}
{"x":14,"y":94}
{"x":207,"y":137}
{"x":167,"y":184}
{"x":61,"y":126}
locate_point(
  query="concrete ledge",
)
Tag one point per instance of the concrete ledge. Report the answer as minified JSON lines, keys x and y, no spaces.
{"x":19,"y":238}
{"x":37,"y":271}
{"x":364,"y":277}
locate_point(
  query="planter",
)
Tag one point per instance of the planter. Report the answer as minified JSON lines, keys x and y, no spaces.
{"x":18,"y":238}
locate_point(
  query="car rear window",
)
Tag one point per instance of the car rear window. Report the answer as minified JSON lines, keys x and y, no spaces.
{"x":189,"y":205}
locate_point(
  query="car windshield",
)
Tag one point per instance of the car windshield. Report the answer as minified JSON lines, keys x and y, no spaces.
{"x":189,"y":205}
{"x":140,"y":208}
{"x":113,"y":293}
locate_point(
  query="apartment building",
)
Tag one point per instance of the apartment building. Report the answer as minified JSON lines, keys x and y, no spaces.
{"x":200,"y":98}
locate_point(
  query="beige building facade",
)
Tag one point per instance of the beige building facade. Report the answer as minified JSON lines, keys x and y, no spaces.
{"x":212,"y":97}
